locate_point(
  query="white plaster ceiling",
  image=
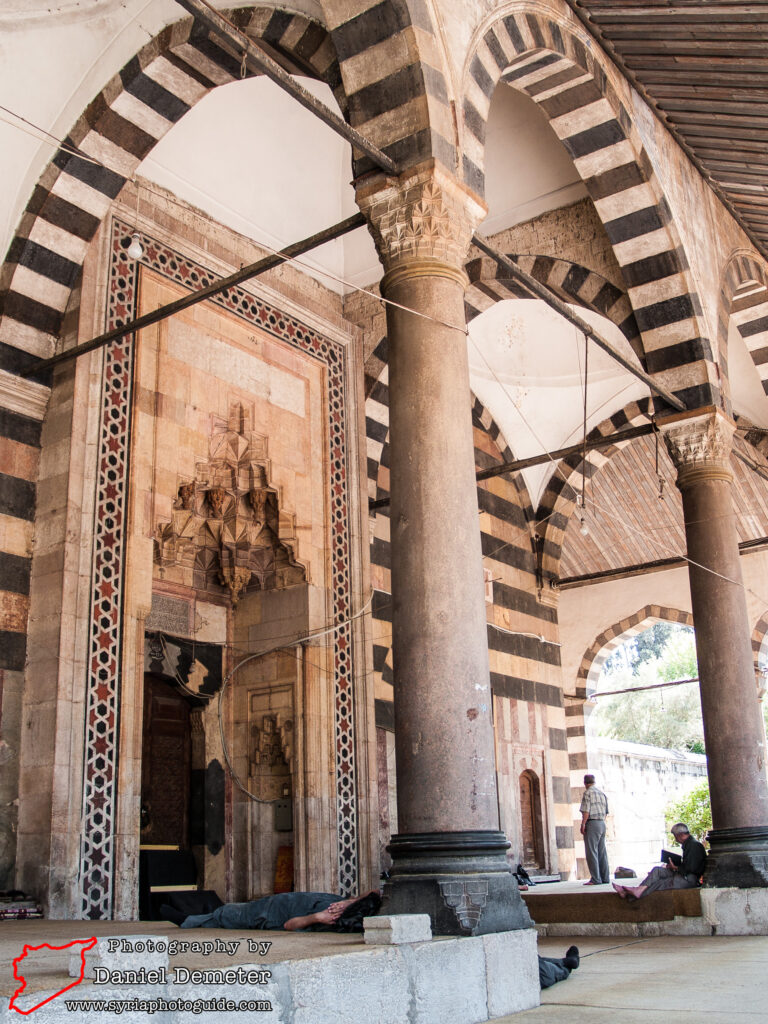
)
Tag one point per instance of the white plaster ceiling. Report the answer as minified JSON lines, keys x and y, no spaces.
{"x":527,"y":367}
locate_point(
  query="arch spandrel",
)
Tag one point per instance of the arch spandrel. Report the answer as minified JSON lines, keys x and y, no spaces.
{"x":554,"y":62}
{"x":392,"y":66}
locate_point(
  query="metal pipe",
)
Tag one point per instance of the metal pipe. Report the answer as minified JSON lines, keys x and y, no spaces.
{"x":637,"y":689}
{"x":542,"y":292}
{"x":252,"y":270}
{"x":257,"y":58}
{"x":538,"y":460}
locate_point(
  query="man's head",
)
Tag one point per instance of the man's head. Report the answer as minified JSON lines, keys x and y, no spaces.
{"x":680,"y":832}
{"x":589,"y":780}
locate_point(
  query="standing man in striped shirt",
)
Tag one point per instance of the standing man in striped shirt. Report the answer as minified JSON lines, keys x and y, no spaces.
{"x":594,"y":809}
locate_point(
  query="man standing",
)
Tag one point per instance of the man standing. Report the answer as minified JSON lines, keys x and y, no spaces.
{"x":594,"y":808}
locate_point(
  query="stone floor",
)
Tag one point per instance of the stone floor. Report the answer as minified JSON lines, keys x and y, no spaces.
{"x":656,"y":981}
{"x":620,"y":980}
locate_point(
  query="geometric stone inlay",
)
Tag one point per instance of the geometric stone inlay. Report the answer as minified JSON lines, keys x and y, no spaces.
{"x":102,"y":691}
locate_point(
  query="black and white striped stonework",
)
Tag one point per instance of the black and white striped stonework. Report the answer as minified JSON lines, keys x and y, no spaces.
{"x":489,"y":284}
{"x":119,"y":128}
{"x":744,"y":300}
{"x":554,"y":68}
{"x":559,"y":498}
{"x":759,"y":653}
{"x":390,"y":63}
{"x":524,"y":670}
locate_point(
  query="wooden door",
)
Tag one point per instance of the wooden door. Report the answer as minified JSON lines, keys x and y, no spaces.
{"x":530,"y":813}
{"x":165,"y":766}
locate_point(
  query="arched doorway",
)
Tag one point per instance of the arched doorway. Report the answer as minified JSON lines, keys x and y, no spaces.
{"x":532,"y":835}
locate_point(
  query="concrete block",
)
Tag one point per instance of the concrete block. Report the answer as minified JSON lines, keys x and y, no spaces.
{"x":511,"y":971}
{"x":447,"y":981}
{"x":736,"y":911}
{"x":347,"y":989}
{"x":396,"y":928}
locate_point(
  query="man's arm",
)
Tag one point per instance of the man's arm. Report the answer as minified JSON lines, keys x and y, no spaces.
{"x":584,"y":820}
{"x":327,"y":917}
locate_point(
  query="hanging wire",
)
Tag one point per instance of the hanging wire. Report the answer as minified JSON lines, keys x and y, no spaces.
{"x":260,"y":654}
{"x":608,"y":513}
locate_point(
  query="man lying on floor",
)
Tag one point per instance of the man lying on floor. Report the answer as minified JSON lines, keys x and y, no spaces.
{"x":290,"y":911}
{"x":552,"y":970}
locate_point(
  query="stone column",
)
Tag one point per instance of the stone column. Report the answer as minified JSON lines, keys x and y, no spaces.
{"x":449,"y":856}
{"x":700,"y":446}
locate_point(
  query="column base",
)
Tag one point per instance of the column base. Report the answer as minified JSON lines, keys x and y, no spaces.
{"x":738,"y":857}
{"x":461,"y":879}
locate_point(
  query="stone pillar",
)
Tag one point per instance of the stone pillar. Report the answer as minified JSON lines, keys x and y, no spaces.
{"x":700,"y":445}
{"x":449,"y":858}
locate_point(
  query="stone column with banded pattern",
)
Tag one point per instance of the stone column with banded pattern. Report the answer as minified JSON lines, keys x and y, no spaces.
{"x":700,"y":446}
{"x":449,"y":858}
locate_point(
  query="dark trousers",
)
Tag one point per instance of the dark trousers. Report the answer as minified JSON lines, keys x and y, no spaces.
{"x":551,"y":971}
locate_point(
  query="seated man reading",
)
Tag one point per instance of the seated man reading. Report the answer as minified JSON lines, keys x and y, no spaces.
{"x":290,"y":911}
{"x":683,"y":875}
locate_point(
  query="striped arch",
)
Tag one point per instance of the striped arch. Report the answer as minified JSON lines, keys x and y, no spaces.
{"x":377,"y":439}
{"x":744,"y":299}
{"x":489,"y":284}
{"x":559,"y":498}
{"x":604,"y":645}
{"x":122,"y":124}
{"x":556,"y":69}
{"x":397,"y":93}
{"x":377,"y":429}
{"x":760,"y":651}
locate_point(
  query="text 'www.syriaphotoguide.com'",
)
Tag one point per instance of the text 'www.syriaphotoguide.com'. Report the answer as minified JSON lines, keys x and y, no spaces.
{"x":160,"y":1005}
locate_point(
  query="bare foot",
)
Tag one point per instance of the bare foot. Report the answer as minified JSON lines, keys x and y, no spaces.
{"x":620,"y":890}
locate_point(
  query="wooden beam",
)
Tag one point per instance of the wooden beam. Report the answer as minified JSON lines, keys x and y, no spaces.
{"x":621,"y":436}
{"x":244,"y":274}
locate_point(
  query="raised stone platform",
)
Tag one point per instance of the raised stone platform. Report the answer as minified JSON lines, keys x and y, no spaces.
{"x":302,"y":978}
{"x":570,"y":909}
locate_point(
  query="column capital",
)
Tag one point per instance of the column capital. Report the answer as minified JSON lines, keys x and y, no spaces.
{"x":422,"y":222}
{"x":699,"y":443}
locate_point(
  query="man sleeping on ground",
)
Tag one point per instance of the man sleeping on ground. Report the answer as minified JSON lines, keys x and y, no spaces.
{"x":288,"y":911}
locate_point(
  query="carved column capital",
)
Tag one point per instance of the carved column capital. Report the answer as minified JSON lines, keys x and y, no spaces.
{"x":699,"y":445}
{"x":422,"y":222}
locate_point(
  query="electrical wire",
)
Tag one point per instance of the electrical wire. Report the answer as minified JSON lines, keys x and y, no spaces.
{"x":607,"y":512}
{"x":260,"y":654}
{"x":294,"y":261}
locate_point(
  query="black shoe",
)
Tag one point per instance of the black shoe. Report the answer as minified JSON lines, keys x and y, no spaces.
{"x":572,"y":959}
{"x":169,"y":913}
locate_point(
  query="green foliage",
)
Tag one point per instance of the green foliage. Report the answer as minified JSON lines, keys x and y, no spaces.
{"x":693,"y":810}
{"x":669,"y":717}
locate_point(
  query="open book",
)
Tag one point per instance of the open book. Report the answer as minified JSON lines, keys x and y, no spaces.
{"x":667,"y":857}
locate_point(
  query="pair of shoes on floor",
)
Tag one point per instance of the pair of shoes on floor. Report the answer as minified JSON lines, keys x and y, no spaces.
{"x":572,"y":959}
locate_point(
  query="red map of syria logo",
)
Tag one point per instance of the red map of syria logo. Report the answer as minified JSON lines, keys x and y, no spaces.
{"x":84,"y":944}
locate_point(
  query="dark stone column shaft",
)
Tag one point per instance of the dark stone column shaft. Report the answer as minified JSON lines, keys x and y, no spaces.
{"x":734,"y":732}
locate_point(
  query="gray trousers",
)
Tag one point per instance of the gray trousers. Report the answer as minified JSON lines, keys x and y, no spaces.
{"x":551,"y":970}
{"x":662,"y":878}
{"x":597,"y":855}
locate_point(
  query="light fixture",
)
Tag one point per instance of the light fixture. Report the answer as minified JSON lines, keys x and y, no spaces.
{"x":135,"y":249}
{"x":584,"y":529}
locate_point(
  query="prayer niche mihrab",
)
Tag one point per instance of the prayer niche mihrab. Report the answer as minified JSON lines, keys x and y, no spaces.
{"x":227,"y":526}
